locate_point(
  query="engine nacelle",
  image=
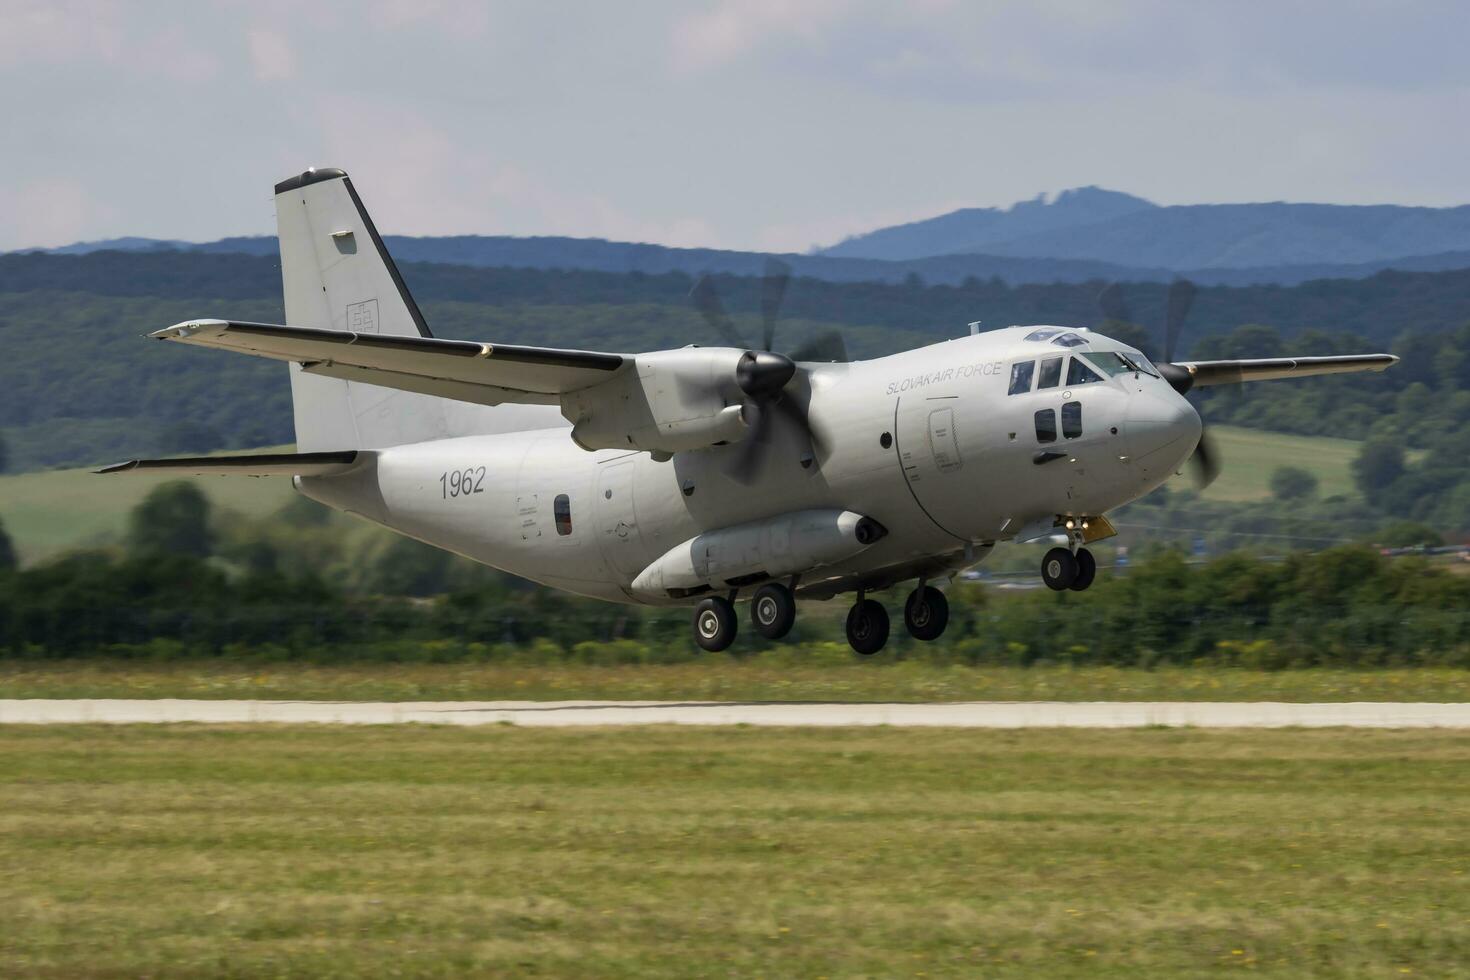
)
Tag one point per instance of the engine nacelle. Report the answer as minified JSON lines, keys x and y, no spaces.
{"x":776,"y":547}
{"x":671,"y":401}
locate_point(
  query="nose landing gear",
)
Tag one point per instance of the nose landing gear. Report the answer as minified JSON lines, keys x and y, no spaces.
{"x":1062,"y":569}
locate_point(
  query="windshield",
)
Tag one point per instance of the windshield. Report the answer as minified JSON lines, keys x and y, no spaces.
{"x":1113,"y":363}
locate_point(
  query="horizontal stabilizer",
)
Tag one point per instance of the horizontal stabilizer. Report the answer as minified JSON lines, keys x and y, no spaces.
{"x":255,"y":464}
{"x":486,"y":374}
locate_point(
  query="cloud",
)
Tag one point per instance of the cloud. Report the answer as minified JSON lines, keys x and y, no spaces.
{"x":38,"y":32}
{"x":735,"y":27}
{"x":270,"y":56}
{"x":50,"y":211}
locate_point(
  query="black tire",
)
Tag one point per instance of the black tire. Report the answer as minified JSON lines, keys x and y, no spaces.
{"x":773,"y":611}
{"x":1058,"y":569}
{"x":715,"y":624}
{"x":926,"y":613}
{"x":1086,"y":570}
{"x":867,"y":627}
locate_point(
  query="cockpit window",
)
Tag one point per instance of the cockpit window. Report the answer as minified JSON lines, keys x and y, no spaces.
{"x":1078,"y":373}
{"x":1051,"y":372}
{"x":1021,"y":374}
{"x":1114,"y":363}
{"x":1044,"y":333}
{"x":1070,"y":340}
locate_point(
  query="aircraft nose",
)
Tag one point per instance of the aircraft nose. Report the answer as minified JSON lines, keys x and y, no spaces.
{"x":1162,"y":430}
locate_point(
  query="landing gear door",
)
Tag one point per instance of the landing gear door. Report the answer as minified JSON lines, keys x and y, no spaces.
{"x":617,"y":520}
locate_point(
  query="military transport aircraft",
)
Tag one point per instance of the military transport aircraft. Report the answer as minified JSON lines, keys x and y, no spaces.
{"x":706,"y":474}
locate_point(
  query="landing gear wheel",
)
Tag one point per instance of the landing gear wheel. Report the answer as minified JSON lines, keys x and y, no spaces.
{"x":1058,"y":569}
{"x":714,"y":624}
{"x":773,"y":611}
{"x":926,"y":613}
{"x":867,"y":627}
{"x":1086,"y":570}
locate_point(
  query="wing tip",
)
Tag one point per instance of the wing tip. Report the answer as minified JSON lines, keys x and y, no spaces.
{"x":123,"y":467}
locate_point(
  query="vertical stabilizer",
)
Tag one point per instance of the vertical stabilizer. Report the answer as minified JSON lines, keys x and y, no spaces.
{"x":336,"y":274}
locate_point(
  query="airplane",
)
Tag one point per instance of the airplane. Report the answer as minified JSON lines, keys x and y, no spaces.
{"x":704,"y":475}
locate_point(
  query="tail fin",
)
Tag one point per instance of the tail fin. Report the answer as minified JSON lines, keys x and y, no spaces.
{"x":336,"y":274}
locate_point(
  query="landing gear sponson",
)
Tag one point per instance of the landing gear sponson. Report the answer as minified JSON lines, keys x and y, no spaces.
{"x":773,"y":613}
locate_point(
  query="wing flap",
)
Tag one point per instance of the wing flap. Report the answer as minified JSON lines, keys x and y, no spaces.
{"x":253,"y":464}
{"x":537,"y":375}
{"x":1274,"y":368}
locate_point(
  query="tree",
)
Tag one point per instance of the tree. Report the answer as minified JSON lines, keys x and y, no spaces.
{"x":173,"y":520}
{"x":1378,"y":465}
{"x":1293,"y":483}
{"x":7,"y":551}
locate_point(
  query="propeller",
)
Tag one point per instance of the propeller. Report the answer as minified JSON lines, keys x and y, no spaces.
{"x":764,"y":375}
{"x":1205,"y":461}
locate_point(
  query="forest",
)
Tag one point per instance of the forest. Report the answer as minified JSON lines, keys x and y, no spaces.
{"x":189,"y":584}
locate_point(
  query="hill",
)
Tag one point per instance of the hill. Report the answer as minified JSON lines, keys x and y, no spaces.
{"x":598,"y":255}
{"x":79,"y":385}
{"x":1090,"y":224}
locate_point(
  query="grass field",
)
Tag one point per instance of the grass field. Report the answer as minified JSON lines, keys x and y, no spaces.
{"x":51,"y":512}
{"x":190,"y":851}
{"x":771,"y":677}
{"x":1250,"y":456}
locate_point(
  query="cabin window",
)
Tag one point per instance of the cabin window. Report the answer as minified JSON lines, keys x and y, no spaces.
{"x":1021,"y":374}
{"x":1078,"y":373}
{"x":1046,"y":425}
{"x":1051,"y":373}
{"x":562,"y":508}
{"x":1072,"y":420}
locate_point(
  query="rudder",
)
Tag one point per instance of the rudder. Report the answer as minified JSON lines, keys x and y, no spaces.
{"x":336,"y":274}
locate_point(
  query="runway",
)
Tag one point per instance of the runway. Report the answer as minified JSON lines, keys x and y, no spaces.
{"x":814,"y":714}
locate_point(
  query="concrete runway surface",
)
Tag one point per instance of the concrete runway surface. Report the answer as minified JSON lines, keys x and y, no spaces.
{"x":971,"y":714}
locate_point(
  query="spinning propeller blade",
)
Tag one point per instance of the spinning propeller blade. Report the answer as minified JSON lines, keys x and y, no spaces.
{"x":1181,"y":298}
{"x":764,"y":375}
{"x":707,"y":302}
{"x":1205,"y":461}
{"x":773,"y":291}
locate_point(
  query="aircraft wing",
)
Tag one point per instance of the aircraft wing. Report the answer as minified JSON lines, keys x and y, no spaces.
{"x":487,"y":374}
{"x":1271,"y":368}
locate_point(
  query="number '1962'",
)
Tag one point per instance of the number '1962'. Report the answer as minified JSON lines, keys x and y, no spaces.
{"x":460,"y":483}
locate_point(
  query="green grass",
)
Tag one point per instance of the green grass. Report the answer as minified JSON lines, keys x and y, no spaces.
{"x":1250,"y":456}
{"x":834,"y":675}
{"x":53,"y":511}
{"x":189,"y":851}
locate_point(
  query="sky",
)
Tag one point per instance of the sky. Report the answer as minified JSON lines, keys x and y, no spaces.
{"x":760,"y":124}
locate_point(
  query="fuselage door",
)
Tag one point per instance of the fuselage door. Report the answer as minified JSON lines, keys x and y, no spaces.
{"x":617,"y":520}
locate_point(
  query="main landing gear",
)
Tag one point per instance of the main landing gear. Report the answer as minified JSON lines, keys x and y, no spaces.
{"x":773,"y":613}
{"x":925,"y":615}
{"x":1062,"y":569}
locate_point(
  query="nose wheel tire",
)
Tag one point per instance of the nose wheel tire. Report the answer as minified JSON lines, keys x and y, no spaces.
{"x":715,"y":624}
{"x":926,"y":613}
{"x":1059,"y":569}
{"x":1086,"y":570}
{"x":867,"y":627}
{"x":773,"y":611}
